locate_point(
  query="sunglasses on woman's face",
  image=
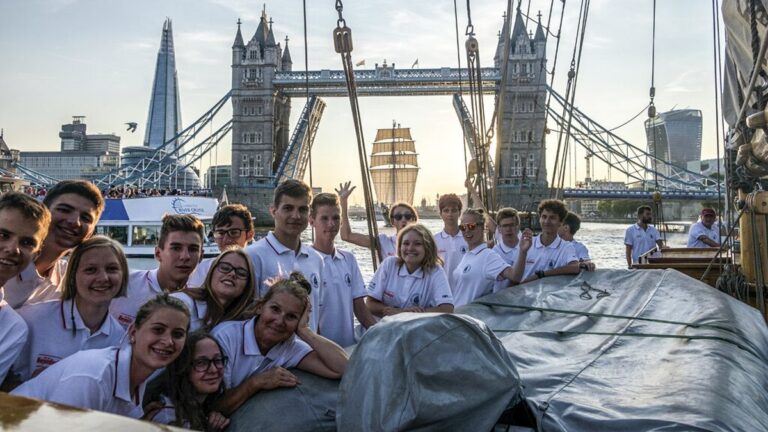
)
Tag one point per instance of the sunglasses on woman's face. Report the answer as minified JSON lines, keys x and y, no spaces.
{"x":468,"y":226}
{"x":400,"y":216}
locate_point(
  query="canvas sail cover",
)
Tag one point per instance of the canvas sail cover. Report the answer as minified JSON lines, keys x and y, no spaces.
{"x":394,"y":166}
{"x":427,"y":372}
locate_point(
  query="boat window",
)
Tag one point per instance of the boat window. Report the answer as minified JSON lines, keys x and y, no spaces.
{"x":146,"y":235}
{"x":117,"y":233}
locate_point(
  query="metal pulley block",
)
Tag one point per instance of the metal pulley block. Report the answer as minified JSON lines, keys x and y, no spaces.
{"x":472,"y":45}
{"x":342,"y":39}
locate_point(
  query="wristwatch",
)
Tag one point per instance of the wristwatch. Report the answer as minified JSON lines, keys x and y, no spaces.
{"x":540,"y":274}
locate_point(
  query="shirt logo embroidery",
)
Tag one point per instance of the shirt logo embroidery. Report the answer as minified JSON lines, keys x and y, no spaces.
{"x":415,"y":299}
{"x":42,"y":362}
{"x":348,"y":279}
{"x":125,"y":320}
{"x":315,"y":280}
{"x":463,"y":249}
{"x":467,"y":268}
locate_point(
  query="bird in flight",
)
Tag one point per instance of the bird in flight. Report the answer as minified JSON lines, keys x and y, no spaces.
{"x":132,"y":126}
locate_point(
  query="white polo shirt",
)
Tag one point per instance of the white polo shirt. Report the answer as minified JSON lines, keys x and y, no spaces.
{"x":476,"y":274}
{"x":509,"y":255}
{"x":558,"y":254}
{"x":29,"y":287}
{"x":142,"y":286}
{"x":272,"y":258}
{"x":641,"y":240}
{"x":93,"y":379}
{"x":238,"y":342}
{"x":395,"y":287}
{"x":13,"y":336}
{"x":51,"y":339}
{"x":342,"y":284}
{"x":698,"y":229}
{"x":387,"y":245}
{"x":197,"y":278}
{"x":450,"y":249}
{"x":582,"y":253}
{"x":197,"y":310}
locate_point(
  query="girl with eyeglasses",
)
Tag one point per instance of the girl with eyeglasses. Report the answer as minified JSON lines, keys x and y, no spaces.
{"x":113,"y":379}
{"x":261,"y":349}
{"x":480,"y":268}
{"x":97,"y":273}
{"x":226,"y":293}
{"x":400,"y":215}
{"x":184,"y":394}
{"x":414,"y":280}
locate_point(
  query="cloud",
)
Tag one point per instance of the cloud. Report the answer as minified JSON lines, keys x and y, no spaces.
{"x":244,"y":8}
{"x":202,"y":37}
{"x":686,"y":82}
{"x":140,"y":45}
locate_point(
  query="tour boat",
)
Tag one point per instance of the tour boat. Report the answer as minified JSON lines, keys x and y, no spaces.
{"x":135,"y":222}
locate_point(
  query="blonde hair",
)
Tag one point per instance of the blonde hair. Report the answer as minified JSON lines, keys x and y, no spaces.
{"x":295,"y":284}
{"x":431,"y":258}
{"x":478,"y":213}
{"x":70,"y":275}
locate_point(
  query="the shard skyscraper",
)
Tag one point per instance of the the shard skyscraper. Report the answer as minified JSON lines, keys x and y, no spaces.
{"x":164,"y":119}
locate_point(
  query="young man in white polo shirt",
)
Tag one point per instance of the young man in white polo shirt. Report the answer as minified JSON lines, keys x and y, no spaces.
{"x":232,"y":225}
{"x":281,"y":251}
{"x":451,"y":245}
{"x":23,"y":225}
{"x":75,"y":207}
{"x":343,"y":287}
{"x":508,"y":246}
{"x":567,"y":231}
{"x":178,"y":251}
{"x":642,"y":236}
{"x":546,"y":254}
{"x":706,"y":232}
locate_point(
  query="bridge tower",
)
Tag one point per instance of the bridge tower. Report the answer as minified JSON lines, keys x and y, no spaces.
{"x":260,"y":116}
{"x":522,"y":176}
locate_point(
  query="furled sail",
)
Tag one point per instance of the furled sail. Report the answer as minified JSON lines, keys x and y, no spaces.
{"x":394,"y":165}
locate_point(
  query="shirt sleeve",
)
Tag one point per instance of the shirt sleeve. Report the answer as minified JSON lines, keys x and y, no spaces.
{"x":628,"y":239}
{"x":493,"y":265}
{"x":358,"y":286}
{"x":297,"y":351}
{"x":439,"y":289}
{"x":568,"y":256}
{"x":13,"y":337}
{"x":379,"y":282}
{"x":224,"y":336}
{"x":694,"y":234}
{"x":78,"y":390}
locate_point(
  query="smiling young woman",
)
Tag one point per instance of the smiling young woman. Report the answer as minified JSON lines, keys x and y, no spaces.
{"x":113,"y":379}
{"x":96,"y":274}
{"x":226,"y":294}
{"x":278,"y":337}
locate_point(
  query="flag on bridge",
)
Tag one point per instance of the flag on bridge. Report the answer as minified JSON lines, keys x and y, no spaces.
{"x":416,"y":63}
{"x":360,"y":63}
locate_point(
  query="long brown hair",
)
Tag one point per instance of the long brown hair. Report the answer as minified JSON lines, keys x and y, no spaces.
{"x":216,"y":312}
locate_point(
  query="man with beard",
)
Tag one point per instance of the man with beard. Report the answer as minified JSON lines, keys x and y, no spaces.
{"x":232,"y":226}
{"x":343,"y":287}
{"x":281,"y":251}
{"x":546,"y":254}
{"x":75,"y":207}
{"x":178,"y":252}
{"x":642,"y":236}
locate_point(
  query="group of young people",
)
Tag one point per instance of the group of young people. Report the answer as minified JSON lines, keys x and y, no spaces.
{"x":189,"y":341}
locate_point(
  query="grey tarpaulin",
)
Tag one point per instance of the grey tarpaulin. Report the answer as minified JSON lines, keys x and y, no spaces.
{"x":310,"y":406}
{"x":427,"y":372}
{"x":637,"y":374}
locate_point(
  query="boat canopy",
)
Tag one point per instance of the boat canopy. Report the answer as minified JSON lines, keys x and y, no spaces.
{"x":154,"y":208}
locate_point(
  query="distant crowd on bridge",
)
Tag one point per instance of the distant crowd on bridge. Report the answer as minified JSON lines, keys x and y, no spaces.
{"x":188,"y":342}
{"x":126,"y":192}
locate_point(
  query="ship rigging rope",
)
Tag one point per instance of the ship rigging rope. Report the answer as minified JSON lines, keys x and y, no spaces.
{"x":478,"y":111}
{"x":501,"y":98}
{"x":558,"y":174}
{"x":718,"y":118}
{"x":306,"y":92}
{"x":342,"y":41}
{"x":461,"y":88}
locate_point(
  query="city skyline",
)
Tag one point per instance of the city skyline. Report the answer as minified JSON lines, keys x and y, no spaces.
{"x":103,"y":70}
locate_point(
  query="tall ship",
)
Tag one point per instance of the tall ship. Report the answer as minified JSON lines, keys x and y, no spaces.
{"x":394,"y":165}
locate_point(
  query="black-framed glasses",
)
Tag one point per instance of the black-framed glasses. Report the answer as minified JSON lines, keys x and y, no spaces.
{"x":232,"y":232}
{"x":401,"y":216}
{"x":468,"y":226}
{"x":226,"y":268}
{"x":202,"y":364}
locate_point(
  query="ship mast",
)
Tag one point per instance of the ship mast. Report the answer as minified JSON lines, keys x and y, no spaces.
{"x":393,"y":167}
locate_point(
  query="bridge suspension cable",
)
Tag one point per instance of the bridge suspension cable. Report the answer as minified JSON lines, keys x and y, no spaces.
{"x":342,"y":42}
{"x":461,"y":87}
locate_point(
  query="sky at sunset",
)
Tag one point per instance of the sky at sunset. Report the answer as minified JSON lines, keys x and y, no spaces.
{"x":96,"y":58}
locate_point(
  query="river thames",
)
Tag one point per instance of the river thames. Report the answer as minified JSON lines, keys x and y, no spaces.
{"x":605,"y":242}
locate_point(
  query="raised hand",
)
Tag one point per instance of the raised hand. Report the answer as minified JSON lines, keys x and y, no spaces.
{"x":345,"y":190}
{"x":526,"y":240}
